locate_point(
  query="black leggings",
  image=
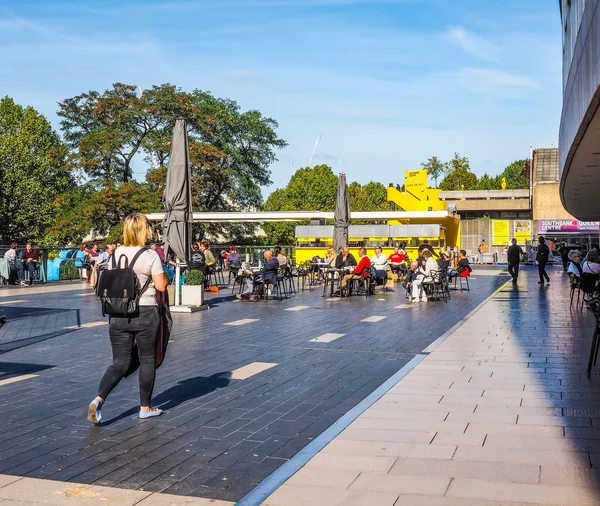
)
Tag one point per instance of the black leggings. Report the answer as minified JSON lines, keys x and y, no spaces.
{"x":124,"y":332}
{"x":542,"y":271}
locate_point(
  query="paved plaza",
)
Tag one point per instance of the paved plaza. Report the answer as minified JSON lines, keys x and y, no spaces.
{"x":493,"y":407}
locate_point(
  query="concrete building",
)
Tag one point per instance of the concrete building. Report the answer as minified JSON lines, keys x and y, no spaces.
{"x":579,"y":137}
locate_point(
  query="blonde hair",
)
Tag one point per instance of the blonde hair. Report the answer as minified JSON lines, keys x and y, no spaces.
{"x":136,"y":230}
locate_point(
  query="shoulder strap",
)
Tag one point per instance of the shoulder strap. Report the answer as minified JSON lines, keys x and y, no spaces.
{"x":114,"y":262}
{"x":137,"y":255}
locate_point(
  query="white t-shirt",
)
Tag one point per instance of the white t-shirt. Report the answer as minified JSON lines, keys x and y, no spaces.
{"x":11,"y":256}
{"x":379,"y":261}
{"x":147,"y":265}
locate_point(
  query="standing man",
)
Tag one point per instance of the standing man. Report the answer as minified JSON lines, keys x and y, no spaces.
{"x":482,"y":249}
{"x":514,"y":259}
{"x":543,"y":253}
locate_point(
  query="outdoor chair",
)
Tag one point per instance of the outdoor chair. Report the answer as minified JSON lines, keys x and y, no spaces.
{"x":302,"y":272}
{"x":575,"y":287}
{"x":278,"y":287}
{"x":234,"y":269}
{"x":436,"y":287}
{"x":378,"y":278}
{"x":360,"y":286}
{"x":289,"y":279}
{"x":587,"y":286}
{"x":462,"y":277}
{"x":240,"y":279}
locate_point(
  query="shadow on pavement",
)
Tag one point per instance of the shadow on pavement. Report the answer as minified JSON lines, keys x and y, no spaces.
{"x":186,"y":390}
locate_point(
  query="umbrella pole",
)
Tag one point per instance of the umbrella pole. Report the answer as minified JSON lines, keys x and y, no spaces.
{"x":177,"y":282}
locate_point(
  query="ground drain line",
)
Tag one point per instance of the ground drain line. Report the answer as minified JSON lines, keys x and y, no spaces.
{"x":272,"y":482}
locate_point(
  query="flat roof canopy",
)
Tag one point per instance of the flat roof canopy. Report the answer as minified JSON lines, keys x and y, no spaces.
{"x":258,"y":217}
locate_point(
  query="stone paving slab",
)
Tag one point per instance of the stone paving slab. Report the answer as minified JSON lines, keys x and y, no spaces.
{"x":220,"y":436}
{"x":31,"y":491}
{"x":500,"y":413}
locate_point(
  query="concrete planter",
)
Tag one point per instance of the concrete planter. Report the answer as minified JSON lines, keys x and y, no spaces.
{"x":192,"y":295}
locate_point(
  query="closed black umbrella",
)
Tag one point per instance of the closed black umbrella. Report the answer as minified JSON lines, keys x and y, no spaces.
{"x":341,"y":216}
{"x":177,"y":224}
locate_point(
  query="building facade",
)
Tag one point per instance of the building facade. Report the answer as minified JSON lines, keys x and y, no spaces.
{"x":579,"y":136}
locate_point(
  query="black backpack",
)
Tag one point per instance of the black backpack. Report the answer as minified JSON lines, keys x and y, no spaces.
{"x":119,"y":288}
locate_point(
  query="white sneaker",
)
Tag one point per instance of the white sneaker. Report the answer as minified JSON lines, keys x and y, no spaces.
{"x":416,"y":299}
{"x":423,"y":299}
{"x":23,"y":283}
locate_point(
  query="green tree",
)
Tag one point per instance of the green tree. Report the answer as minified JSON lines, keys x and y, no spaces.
{"x":230,"y":150}
{"x":435,"y":168}
{"x":309,"y":189}
{"x":369,"y":197}
{"x":459,"y":175}
{"x":32,"y":172}
{"x":106,"y":130}
{"x":517,"y":175}
{"x":486,"y":182}
{"x":86,"y":210}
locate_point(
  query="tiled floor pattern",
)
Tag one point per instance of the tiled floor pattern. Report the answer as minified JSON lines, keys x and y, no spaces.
{"x":220,"y":436}
{"x":500,"y":413}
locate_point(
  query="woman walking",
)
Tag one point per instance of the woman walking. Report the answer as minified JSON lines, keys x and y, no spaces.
{"x":141,"y":329}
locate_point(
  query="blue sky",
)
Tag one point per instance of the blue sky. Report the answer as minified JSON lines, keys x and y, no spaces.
{"x":387,"y":83}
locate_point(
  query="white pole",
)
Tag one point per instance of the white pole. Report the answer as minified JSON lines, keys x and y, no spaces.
{"x":177,"y":281}
{"x":314,"y":151}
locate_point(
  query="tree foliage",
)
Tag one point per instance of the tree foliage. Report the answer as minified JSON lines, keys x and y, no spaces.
{"x":230,"y":150}
{"x":315,"y":189}
{"x":32,"y":172}
{"x":435,"y":168}
{"x":459,"y":175}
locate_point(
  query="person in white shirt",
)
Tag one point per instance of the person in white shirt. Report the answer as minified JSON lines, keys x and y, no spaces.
{"x":592,"y":263}
{"x":141,"y":329}
{"x":11,"y":257}
{"x":424,"y":274}
{"x":379,"y":261}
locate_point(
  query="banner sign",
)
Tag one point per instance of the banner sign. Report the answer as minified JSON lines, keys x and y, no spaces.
{"x":522,"y":231}
{"x":415,"y":181}
{"x":545,"y":226}
{"x":500,"y":233}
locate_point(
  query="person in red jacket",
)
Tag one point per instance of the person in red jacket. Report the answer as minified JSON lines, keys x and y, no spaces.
{"x":359,"y":271}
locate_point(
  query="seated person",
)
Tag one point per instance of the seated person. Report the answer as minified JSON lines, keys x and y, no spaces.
{"x":462,"y":264}
{"x":359,"y":271}
{"x":423,"y":275}
{"x":397,"y":261}
{"x":208,"y":256}
{"x":592,"y":262}
{"x":411,"y":275}
{"x":197,"y":259}
{"x":234,"y":257}
{"x":268,"y":274}
{"x":281,"y":258}
{"x":345,"y":259}
{"x":159,"y":251}
{"x":379,"y":261}
{"x":330,"y":258}
{"x":575,"y":268}
{"x":30,"y":260}
{"x":444,"y":261}
{"x":14,"y":266}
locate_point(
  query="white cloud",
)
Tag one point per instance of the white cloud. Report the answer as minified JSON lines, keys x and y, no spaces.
{"x":497,"y":78}
{"x":472,"y":43}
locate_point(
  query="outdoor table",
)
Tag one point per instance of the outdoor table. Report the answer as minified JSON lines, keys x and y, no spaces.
{"x":315,"y":268}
